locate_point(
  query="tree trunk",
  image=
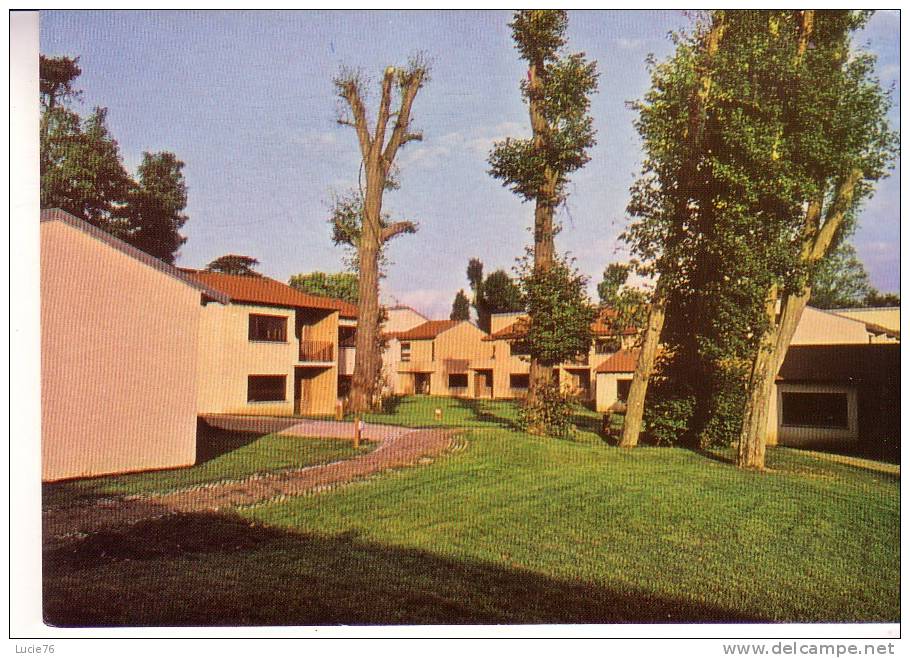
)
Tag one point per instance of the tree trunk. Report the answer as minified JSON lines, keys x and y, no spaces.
{"x":635,"y":405}
{"x":817,"y":241}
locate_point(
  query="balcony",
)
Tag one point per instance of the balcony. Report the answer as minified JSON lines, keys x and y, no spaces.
{"x":321,"y":351}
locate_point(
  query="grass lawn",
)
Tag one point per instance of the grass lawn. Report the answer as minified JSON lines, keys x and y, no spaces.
{"x":515,"y":529}
{"x":222,"y":455}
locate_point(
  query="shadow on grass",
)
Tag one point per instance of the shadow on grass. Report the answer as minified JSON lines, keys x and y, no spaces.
{"x":481,"y":413}
{"x":214,"y":569}
{"x":212,"y":442}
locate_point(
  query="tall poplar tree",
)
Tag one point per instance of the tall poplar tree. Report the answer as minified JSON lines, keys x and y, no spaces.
{"x":557,"y":90}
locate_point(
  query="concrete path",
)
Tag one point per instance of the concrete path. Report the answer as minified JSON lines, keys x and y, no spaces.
{"x":399,"y":447}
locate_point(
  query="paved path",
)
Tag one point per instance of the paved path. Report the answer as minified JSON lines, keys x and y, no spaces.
{"x":399,"y":446}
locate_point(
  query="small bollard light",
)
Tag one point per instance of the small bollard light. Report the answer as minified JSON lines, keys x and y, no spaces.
{"x":358,"y":428}
{"x":437,"y":413}
{"x":339,"y":410}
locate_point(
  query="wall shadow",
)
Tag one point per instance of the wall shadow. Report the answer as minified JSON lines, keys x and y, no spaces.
{"x":216,"y":569}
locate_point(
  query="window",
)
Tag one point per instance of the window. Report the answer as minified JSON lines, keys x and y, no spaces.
{"x":266,"y":388}
{"x":405,"y":351}
{"x":458,"y":380}
{"x":519,"y":381}
{"x":270,"y":328}
{"x":814,"y":410}
{"x":622,"y":389}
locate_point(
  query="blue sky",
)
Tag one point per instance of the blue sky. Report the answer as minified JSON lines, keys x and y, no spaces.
{"x":245,"y":99}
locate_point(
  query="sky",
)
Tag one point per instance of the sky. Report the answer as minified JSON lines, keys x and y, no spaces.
{"x":246,"y":100}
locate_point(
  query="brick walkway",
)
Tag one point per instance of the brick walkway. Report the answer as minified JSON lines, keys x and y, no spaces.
{"x":398,"y":447}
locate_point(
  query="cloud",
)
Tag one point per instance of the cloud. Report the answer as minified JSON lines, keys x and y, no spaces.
{"x":474,"y":143}
{"x":624,"y":43}
{"x":314,"y":139}
{"x":432,"y":302}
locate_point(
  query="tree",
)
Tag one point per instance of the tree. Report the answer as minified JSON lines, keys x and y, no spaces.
{"x":365,"y":225}
{"x":234,"y":264}
{"x":81,"y":169}
{"x":671,"y":123}
{"x":497,"y":293}
{"x":836,"y":143}
{"x":155,"y":206}
{"x":83,"y":174}
{"x":461,"y":307}
{"x":876,"y":298}
{"x":557,"y":91}
{"x":340,"y":285}
{"x":55,"y":80}
{"x":840,"y":281}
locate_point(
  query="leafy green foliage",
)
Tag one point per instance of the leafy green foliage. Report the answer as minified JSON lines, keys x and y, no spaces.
{"x":876,"y":298}
{"x":461,"y":307}
{"x":549,"y":413}
{"x":156,"y":204}
{"x":840,"y":280}
{"x":340,"y":285}
{"x":234,"y":264}
{"x":561,"y":314}
{"x":82,"y":171}
{"x":567,"y":82}
{"x":719,"y":211}
{"x":497,"y":293}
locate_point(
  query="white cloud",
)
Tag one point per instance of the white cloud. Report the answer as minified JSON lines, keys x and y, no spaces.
{"x":435,"y":303}
{"x":630,"y":44}
{"x":475,"y":143}
{"x":314,"y":139}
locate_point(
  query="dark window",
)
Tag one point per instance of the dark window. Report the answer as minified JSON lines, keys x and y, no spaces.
{"x":458,"y":380}
{"x":405,"y":351}
{"x":272,"y":328}
{"x":266,"y":388}
{"x":814,"y":410}
{"x":519,"y":381}
{"x":622,"y":389}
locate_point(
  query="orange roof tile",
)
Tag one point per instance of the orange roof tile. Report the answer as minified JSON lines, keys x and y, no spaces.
{"x":426,"y":331}
{"x":600,"y":327}
{"x":622,"y":361}
{"x":266,"y":291}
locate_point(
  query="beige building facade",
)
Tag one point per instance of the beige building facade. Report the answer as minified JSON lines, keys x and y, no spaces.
{"x":273,"y":350}
{"x":119,"y":354}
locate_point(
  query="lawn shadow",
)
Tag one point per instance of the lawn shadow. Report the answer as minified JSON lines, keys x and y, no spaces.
{"x":481,"y":413}
{"x":212,"y":442}
{"x":222,"y":570}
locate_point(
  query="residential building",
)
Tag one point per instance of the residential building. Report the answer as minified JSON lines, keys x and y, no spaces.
{"x":511,"y":363}
{"x":443,"y":357}
{"x":883,"y":322}
{"x":399,"y":318}
{"x":838,"y":383}
{"x":273,"y":350}
{"x":119,"y":354}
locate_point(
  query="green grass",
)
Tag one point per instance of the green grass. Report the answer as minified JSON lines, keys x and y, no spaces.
{"x":515,"y":529}
{"x":223,"y":455}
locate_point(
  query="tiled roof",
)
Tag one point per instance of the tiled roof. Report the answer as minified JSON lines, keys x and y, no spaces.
{"x":622,"y":361}
{"x":600,"y":327}
{"x":426,"y":331}
{"x":266,"y":291}
{"x":57,"y":215}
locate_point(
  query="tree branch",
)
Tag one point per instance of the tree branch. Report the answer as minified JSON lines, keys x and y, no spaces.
{"x":412,"y":84}
{"x":834,"y":218}
{"x":351,"y":93}
{"x":397,"y":228}
{"x":385,"y":102}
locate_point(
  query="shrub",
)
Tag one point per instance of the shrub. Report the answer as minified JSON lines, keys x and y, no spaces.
{"x":550,"y":414}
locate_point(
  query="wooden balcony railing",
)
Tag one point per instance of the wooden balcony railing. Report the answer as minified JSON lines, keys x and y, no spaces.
{"x":317,"y":350}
